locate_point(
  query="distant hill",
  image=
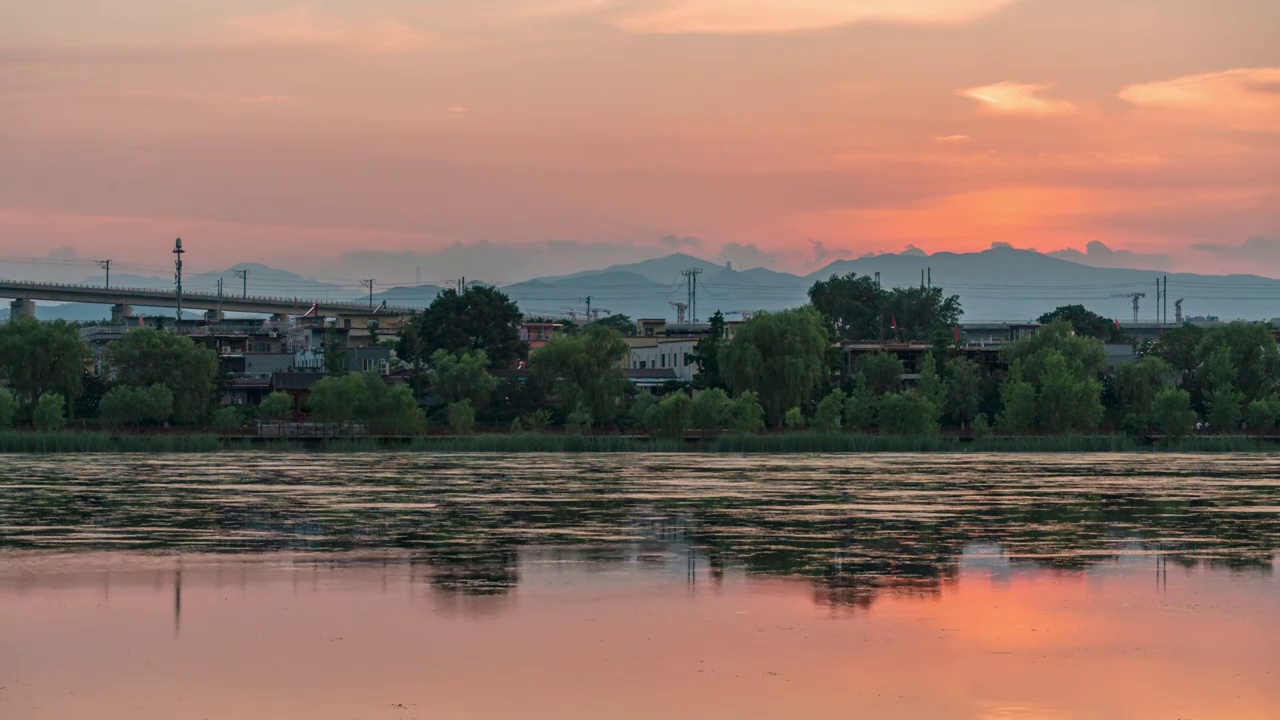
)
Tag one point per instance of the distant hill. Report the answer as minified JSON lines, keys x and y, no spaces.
{"x":1000,"y":284}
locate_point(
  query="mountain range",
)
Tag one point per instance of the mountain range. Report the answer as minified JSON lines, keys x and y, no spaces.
{"x":999,"y":284}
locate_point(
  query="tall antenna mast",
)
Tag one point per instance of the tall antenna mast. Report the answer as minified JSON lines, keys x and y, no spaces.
{"x":177,"y":263}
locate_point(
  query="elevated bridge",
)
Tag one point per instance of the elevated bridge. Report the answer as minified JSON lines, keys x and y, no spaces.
{"x":122,"y":300}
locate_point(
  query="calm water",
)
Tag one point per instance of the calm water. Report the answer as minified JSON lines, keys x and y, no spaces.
{"x":676,"y":586}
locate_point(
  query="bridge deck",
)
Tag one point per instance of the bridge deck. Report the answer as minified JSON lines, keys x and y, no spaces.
{"x":150,"y":297}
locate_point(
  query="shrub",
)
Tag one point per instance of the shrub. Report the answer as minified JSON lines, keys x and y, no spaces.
{"x":462,"y":417}
{"x":517,"y":426}
{"x":794,"y":418}
{"x":578,"y":422}
{"x":1261,"y":416}
{"x":50,"y":412}
{"x":538,"y":420}
{"x":746,"y":415}
{"x":981,"y":428}
{"x":226,"y":420}
{"x":908,"y":413}
{"x":670,"y":419}
{"x":638,"y":415}
{"x":275,"y":407}
{"x":8,"y":408}
{"x":710,"y":410}
{"x":827,"y":415}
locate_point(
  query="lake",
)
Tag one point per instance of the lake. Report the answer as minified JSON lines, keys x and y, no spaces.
{"x":399,"y":586}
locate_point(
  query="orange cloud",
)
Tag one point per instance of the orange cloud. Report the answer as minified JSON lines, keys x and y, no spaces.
{"x":780,"y":16}
{"x":1009,"y":97}
{"x":1243,"y":97}
{"x":952,"y":139}
{"x":302,"y":25}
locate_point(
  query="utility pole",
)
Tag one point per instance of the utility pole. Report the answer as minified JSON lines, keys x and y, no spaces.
{"x":177,"y":264}
{"x":1157,"y":301}
{"x":369,"y":284}
{"x":1166,"y":298}
{"x":219,"y":301}
{"x":462,"y":284}
{"x":930,"y":272}
{"x":105,"y":265}
{"x":877,"y":279}
{"x":243,"y":275}
{"x":691,"y":278}
{"x":587,"y":300}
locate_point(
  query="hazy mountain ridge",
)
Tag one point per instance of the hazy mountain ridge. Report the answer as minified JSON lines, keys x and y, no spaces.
{"x":999,"y":284}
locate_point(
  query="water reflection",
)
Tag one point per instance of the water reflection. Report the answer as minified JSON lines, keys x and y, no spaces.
{"x":389,"y":586}
{"x":855,"y":527}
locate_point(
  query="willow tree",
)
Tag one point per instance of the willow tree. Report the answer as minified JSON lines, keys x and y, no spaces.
{"x":584,"y":372}
{"x":780,"y":356}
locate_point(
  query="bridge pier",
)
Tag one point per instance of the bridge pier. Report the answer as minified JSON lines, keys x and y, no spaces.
{"x":121,"y":312}
{"x":22,"y":308}
{"x":213,"y":316}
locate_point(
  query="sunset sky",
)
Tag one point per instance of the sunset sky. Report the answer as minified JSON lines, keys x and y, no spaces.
{"x":778,"y":132}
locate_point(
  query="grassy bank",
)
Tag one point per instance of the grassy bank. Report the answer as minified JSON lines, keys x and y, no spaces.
{"x":796,"y":442}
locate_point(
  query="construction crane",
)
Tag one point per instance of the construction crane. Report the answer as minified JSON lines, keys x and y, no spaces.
{"x":680,"y":310}
{"x":1136,"y":297}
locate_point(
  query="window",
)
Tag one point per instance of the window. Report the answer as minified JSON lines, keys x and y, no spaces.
{"x":664,"y":359}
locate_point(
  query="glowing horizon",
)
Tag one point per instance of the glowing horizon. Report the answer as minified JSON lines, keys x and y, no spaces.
{"x":769,"y":133}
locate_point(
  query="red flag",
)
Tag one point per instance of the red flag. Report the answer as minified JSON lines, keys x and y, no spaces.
{"x":893,"y":322}
{"x":957,"y":329}
{"x":140,"y":323}
{"x":1117,"y":324}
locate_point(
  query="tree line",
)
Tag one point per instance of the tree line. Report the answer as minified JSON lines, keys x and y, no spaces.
{"x":467,"y":367}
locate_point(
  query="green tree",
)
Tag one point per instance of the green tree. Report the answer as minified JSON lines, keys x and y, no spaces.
{"x":930,"y":385}
{"x":1085,"y":322}
{"x":826,"y":416}
{"x":882,"y":371}
{"x":584,"y":372}
{"x":276,"y":407}
{"x":333,"y":401}
{"x":922,"y":313}
{"x":42,"y":357}
{"x":8,"y":408}
{"x":50,"y":412}
{"x":624,"y":325}
{"x":1018,"y":397}
{"x":746,"y":414}
{"x":146,"y":357}
{"x":1260,"y":416}
{"x":121,"y":406}
{"x":387,"y":409}
{"x":780,"y":356}
{"x":462,"y":376}
{"x":1171,"y":413}
{"x":710,"y":410}
{"x":860,"y":405}
{"x":1137,"y":385}
{"x":335,"y":357}
{"x":963,"y":391}
{"x":1085,"y":357}
{"x":478,"y":318}
{"x":578,"y":422}
{"x":671,"y":418}
{"x":851,"y":306}
{"x":981,"y":427}
{"x":908,"y":413}
{"x":794,"y":418}
{"x":1253,"y":353}
{"x":638,"y":415}
{"x":1180,"y":347}
{"x":706,"y":355}
{"x":537,"y":421}
{"x":1066,"y":401}
{"x":462,"y":417}
{"x":1224,"y":402}
{"x":226,"y":421}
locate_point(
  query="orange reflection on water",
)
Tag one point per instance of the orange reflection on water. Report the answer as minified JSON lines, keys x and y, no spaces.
{"x":144,"y":638}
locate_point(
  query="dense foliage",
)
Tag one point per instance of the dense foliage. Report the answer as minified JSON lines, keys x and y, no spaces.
{"x":146,"y":357}
{"x":782,"y":357}
{"x":479,"y":318}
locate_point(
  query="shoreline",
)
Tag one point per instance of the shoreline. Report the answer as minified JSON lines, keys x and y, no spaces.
{"x":89,"y":442}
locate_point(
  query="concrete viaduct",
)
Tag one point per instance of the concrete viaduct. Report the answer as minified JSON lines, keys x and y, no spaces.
{"x":122,"y":300}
